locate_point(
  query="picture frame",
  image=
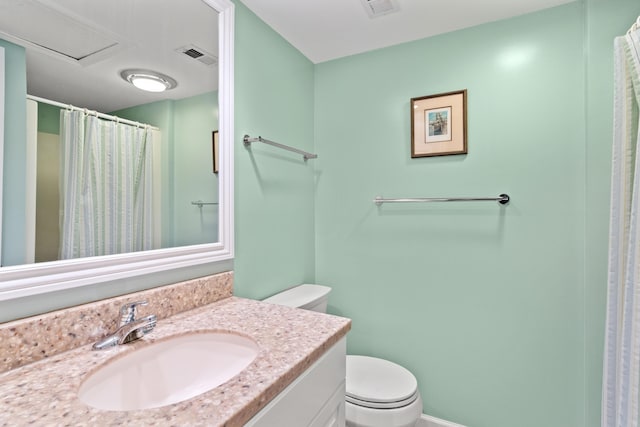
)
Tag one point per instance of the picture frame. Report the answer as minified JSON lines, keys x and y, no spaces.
{"x":214,"y":149}
{"x":439,"y":124}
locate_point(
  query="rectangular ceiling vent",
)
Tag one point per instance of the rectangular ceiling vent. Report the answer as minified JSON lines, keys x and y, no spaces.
{"x":198,"y":54}
{"x":377,"y":8}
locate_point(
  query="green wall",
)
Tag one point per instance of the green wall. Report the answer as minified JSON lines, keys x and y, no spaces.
{"x":48,"y":118}
{"x":195,"y":119}
{"x":482,"y":303}
{"x":15,"y":135}
{"x":274,"y":189}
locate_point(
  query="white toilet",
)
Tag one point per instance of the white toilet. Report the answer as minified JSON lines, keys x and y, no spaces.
{"x":379,"y":393}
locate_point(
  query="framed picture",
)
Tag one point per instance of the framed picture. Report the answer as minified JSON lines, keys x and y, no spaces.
{"x":214,"y":145}
{"x":439,"y":124}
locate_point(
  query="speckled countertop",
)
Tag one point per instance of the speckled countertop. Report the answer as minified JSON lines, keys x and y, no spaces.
{"x":290,"y":340}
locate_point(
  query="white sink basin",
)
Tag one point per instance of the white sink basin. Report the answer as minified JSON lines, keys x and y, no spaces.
{"x":168,"y":371}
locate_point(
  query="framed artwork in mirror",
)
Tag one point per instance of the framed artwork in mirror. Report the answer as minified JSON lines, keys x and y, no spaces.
{"x":214,"y":149}
{"x":439,"y":124}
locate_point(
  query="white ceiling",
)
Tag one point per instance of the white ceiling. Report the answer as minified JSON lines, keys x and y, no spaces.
{"x":328,"y":29}
{"x":146,"y":33}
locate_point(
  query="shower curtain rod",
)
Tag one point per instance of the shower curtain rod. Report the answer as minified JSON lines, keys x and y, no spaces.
{"x":93,"y":112}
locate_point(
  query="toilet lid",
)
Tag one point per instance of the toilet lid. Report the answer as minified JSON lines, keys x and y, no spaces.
{"x":379,"y":383}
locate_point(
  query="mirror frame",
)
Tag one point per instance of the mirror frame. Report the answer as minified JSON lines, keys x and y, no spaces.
{"x":34,"y":279}
{"x":2,"y":80}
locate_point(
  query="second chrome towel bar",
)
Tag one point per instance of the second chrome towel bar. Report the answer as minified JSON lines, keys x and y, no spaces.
{"x":502,"y":199}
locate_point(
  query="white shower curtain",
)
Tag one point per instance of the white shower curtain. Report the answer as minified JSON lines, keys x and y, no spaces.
{"x":106,"y":186}
{"x":621,"y":374}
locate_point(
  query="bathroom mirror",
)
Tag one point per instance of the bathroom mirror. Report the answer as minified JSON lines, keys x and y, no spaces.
{"x":92,"y":49}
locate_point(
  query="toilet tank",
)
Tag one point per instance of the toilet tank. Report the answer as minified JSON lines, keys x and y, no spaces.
{"x":308,"y":297}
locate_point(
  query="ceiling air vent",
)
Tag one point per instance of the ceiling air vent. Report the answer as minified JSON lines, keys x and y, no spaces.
{"x":377,"y":8}
{"x":193,"y":53}
{"x":198,"y":54}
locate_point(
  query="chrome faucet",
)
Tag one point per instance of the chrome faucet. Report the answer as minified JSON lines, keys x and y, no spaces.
{"x":130,"y":328}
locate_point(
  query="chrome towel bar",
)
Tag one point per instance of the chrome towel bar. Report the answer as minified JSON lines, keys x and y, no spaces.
{"x":248,"y":140}
{"x":503,"y":199}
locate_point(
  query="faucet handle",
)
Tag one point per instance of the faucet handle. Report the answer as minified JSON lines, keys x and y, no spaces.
{"x":129,"y":310}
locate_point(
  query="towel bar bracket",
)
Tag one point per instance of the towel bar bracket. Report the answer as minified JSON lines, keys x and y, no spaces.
{"x":504,"y":199}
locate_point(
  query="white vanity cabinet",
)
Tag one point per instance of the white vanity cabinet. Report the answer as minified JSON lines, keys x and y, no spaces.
{"x":314,"y":399}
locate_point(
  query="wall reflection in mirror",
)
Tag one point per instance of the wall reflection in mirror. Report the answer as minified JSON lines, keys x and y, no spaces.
{"x":100,"y":185}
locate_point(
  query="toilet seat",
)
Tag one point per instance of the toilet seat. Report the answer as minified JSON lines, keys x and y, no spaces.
{"x":379,"y":384}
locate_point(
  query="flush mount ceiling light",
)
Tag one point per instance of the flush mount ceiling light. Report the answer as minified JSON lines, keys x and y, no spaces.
{"x":148,"y":80}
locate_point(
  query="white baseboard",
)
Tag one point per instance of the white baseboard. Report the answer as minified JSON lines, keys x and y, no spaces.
{"x":429,"y":421}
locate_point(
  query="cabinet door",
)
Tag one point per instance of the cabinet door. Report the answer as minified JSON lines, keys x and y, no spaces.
{"x":312,"y":397}
{"x":333,"y":413}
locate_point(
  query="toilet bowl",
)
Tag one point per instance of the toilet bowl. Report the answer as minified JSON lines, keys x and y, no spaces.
{"x":379,"y":393}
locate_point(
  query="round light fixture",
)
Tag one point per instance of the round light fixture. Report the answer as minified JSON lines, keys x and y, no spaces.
{"x":148,"y":80}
